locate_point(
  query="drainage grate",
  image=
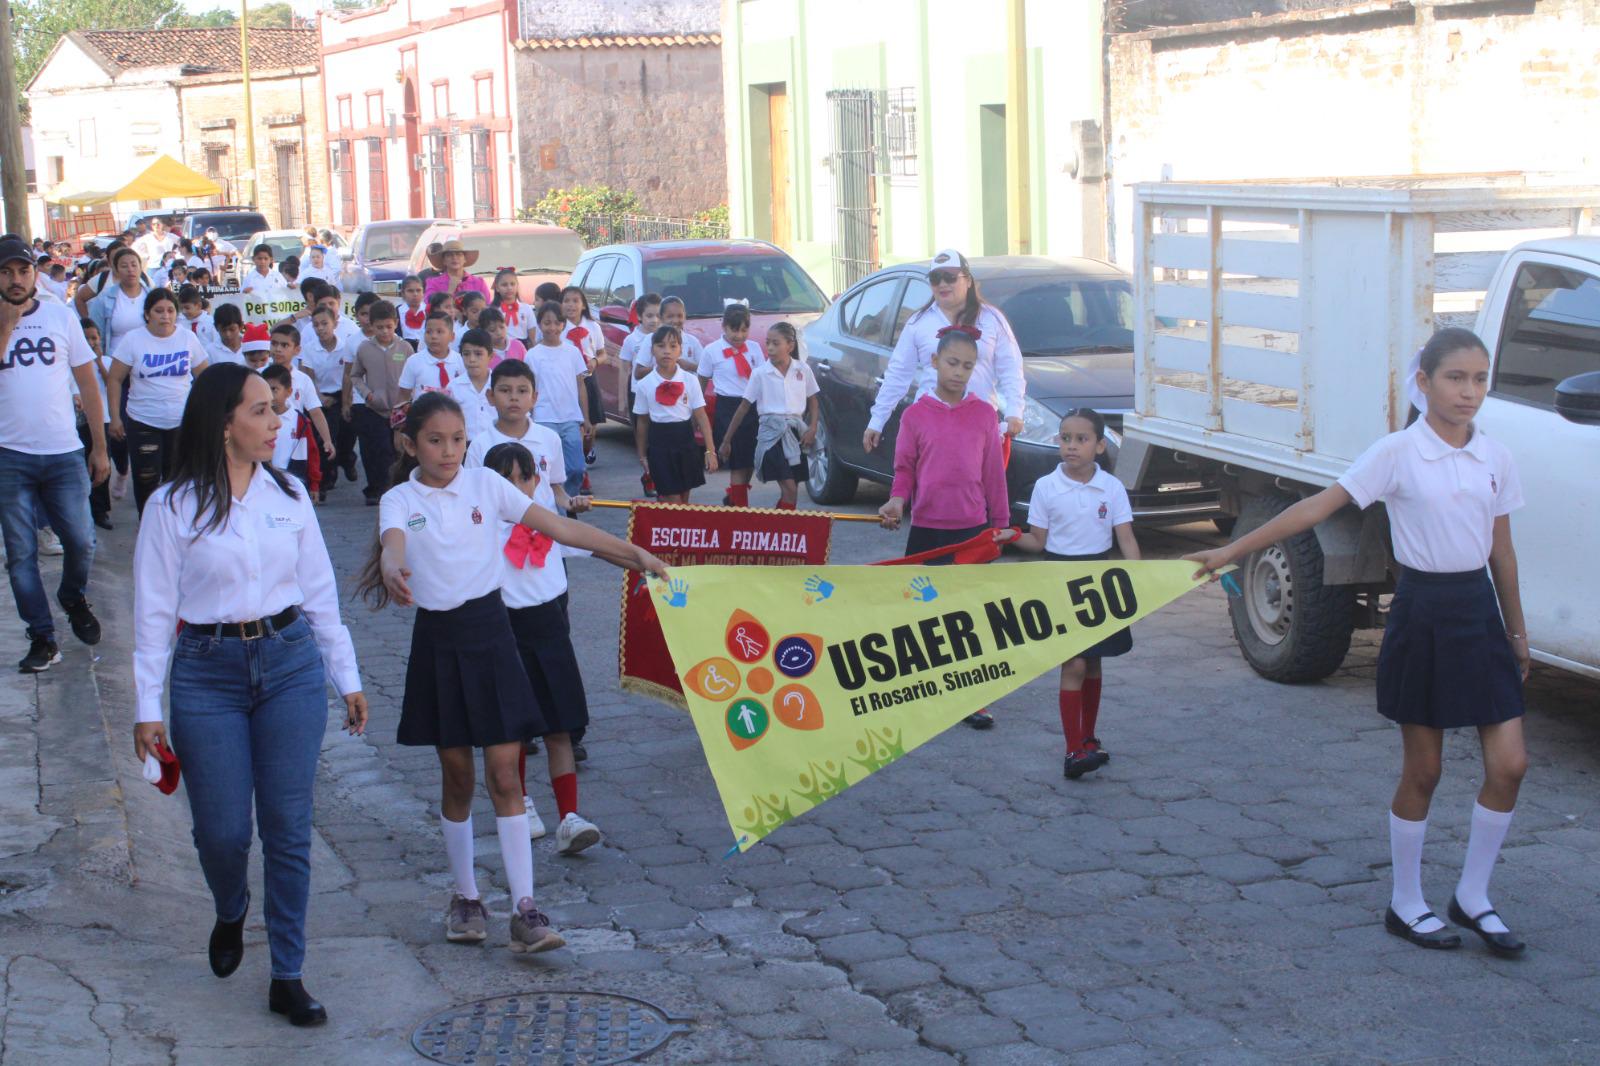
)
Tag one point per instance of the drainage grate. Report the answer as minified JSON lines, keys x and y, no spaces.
{"x":546,"y":1029}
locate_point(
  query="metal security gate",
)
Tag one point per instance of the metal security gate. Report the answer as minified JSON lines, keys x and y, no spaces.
{"x":857,"y":142}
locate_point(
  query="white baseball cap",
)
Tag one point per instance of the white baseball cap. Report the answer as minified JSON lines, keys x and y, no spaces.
{"x":949,"y":259}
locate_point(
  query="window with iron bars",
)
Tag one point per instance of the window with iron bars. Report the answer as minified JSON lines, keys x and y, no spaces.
{"x":482,"y":174}
{"x":439,"y":173}
{"x":344,"y":172}
{"x":900,"y":132}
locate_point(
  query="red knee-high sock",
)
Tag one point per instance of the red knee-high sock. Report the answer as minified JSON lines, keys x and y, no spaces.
{"x":1072,"y":719}
{"x":566,"y":789}
{"x":739,"y":495}
{"x":1091,"y":704}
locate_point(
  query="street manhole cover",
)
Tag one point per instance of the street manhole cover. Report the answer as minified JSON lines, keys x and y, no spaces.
{"x":546,"y":1029}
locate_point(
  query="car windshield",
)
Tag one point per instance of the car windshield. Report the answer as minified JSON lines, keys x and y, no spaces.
{"x":770,"y":284}
{"x":530,"y":253}
{"x":283,"y":247}
{"x":389,"y":243}
{"x":1055,"y":316}
{"x":230,"y":227}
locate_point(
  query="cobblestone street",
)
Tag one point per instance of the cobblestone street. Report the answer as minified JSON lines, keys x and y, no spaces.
{"x":1214,"y":895}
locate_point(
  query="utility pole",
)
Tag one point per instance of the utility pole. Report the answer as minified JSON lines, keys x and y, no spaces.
{"x":1019,"y":198}
{"x":13,"y":180}
{"x":249,"y":109}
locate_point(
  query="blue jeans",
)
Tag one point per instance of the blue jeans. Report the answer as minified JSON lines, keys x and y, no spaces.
{"x":571,"y":434}
{"x":56,"y":486}
{"x":248,"y":717}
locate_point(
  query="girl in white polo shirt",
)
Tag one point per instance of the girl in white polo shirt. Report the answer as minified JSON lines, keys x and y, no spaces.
{"x":726,"y":366}
{"x":1077,"y":511}
{"x":1455,"y":649}
{"x":440,"y":548}
{"x":669,"y":407}
{"x":783,"y":393}
{"x":157,"y":362}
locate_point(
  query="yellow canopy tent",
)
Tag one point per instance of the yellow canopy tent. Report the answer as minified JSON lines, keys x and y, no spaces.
{"x":156,"y":181}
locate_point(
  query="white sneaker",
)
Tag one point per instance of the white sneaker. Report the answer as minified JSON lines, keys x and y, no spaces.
{"x":49,"y":543}
{"x":575,"y":833}
{"x":536,"y":827}
{"x":119,"y":485}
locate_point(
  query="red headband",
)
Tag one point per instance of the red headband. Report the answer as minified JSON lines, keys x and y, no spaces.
{"x":972,"y":331}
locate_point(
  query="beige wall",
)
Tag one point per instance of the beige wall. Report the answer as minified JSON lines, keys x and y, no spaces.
{"x":643,"y":119}
{"x":274,"y":100}
{"x":1447,"y":90}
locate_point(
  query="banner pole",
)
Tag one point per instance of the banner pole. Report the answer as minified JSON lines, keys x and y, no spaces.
{"x":836,"y":516}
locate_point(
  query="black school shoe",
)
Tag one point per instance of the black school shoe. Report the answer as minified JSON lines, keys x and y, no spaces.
{"x":1440,"y":939}
{"x":1092,"y":746}
{"x":226,"y":949}
{"x":42,"y":654}
{"x":1505,"y":945}
{"x":1078,"y":763}
{"x":579,"y":752}
{"x":980,"y":720}
{"x":292,"y":999}
{"x":85,"y":626}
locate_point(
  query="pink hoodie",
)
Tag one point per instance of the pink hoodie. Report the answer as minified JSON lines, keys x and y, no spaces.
{"x":947,"y":465}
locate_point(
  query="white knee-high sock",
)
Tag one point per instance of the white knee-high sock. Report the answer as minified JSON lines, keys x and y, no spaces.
{"x":517,"y":852}
{"x":458,"y":849}
{"x":1483,"y":848}
{"x":1405,"y":852}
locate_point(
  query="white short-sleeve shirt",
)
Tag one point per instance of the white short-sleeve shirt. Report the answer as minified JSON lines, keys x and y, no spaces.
{"x":36,"y":413}
{"x":543,"y":443}
{"x":647,"y":396}
{"x":1442,"y":500}
{"x":690,"y":349}
{"x":453,"y":542}
{"x":1081,"y":516}
{"x":718,"y":365}
{"x":421,"y":373}
{"x":268,"y":286}
{"x":476,"y":410}
{"x":326,"y":365}
{"x":555,"y":373}
{"x":160,"y":373}
{"x":629,"y":353}
{"x":529,"y":585}
{"x":772,"y":393}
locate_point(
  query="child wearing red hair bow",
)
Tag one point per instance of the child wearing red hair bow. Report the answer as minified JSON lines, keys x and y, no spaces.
{"x":670,"y":408}
{"x":727,"y":367}
{"x":535,"y":592}
{"x":507,"y":300}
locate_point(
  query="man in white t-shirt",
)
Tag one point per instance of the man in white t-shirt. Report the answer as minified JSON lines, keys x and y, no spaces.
{"x":41,"y":458}
{"x":153,"y":246}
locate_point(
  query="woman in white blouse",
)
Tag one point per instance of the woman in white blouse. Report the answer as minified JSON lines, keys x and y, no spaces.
{"x":231,"y":559}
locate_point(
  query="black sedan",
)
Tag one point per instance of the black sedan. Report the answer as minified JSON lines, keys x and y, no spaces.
{"x":1073,"y":319}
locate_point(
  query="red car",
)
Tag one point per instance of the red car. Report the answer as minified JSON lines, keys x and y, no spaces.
{"x":706,"y":274}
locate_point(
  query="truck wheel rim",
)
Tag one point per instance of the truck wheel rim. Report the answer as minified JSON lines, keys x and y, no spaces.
{"x":1268,"y":595}
{"x":817,"y":466}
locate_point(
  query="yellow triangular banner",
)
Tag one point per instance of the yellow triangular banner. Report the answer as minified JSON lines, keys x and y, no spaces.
{"x":802,"y":681}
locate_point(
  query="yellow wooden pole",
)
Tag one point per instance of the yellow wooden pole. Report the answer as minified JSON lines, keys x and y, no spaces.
{"x":1019,"y":198}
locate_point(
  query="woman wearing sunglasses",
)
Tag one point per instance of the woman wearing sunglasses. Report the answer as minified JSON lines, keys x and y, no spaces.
{"x":956,"y":302}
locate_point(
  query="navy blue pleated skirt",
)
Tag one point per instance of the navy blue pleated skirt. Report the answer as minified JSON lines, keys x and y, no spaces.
{"x":1118,"y":643}
{"x":465,"y":683}
{"x":677,"y":464}
{"x":1445,"y":661}
{"x":544,"y":639}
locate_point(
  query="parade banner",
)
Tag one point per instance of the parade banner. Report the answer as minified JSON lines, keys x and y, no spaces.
{"x":684,"y":535}
{"x":276,"y":309}
{"x":804,"y":680}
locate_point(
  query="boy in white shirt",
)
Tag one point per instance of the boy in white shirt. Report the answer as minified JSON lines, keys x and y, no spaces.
{"x":433,"y":368}
{"x":470,"y":389}
{"x":289,"y":450}
{"x":285,"y":351}
{"x":514,"y":393}
{"x":227,"y":333}
{"x":262,"y":281}
{"x":563,"y":401}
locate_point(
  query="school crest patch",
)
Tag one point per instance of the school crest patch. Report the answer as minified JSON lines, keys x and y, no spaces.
{"x":1102,"y":511}
{"x":416,"y":522}
{"x":477,"y":517}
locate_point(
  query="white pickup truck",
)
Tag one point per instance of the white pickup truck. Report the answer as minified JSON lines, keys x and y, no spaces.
{"x":1275,"y":327}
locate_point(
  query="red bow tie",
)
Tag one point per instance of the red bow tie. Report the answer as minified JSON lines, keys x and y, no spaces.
{"x":740,"y":363}
{"x":527,"y":547}
{"x":414,"y":319}
{"x":509,"y":309}
{"x":577,"y":334}
{"x":668,"y":393}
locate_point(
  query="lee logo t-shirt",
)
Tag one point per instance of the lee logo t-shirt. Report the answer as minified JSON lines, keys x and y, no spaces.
{"x":36,"y":414}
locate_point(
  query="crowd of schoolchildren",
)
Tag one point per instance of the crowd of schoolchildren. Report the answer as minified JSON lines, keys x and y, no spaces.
{"x":474,"y":419}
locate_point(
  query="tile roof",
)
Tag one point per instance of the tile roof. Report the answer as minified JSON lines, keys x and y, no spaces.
{"x":200,"y":51}
{"x":622,"y":40}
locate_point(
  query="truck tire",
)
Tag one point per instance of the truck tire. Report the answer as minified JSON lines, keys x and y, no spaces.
{"x":1290,"y":627}
{"x":827,"y":480}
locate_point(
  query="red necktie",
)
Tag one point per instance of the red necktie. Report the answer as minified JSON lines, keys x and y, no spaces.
{"x":444,"y":377}
{"x":527,"y":547}
{"x":668,"y":393}
{"x":414,"y":319}
{"x":509,"y":309}
{"x":740,"y":363}
{"x":576,"y":335}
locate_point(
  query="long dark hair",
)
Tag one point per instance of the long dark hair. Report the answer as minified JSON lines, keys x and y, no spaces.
{"x":369,"y":582}
{"x":202,"y":465}
{"x":585,"y":313}
{"x":1445,"y":342}
{"x":968,"y":315}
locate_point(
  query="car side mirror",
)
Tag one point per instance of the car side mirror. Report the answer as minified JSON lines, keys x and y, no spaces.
{"x":1578,"y":399}
{"x":616,"y":314}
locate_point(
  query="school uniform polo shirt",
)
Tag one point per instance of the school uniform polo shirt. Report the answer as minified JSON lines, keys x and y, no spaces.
{"x":1081,"y":516}
{"x":1442,"y":500}
{"x":453,"y":541}
{"x":543,"y":443}
{"x":717,"y":364}
{"x":648,"y":396}
{"x":772,"y":393}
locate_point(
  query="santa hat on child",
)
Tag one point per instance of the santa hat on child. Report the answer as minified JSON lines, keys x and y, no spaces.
{"x":257,"y":337}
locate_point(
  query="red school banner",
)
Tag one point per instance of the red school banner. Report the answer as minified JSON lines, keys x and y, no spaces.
{"x":686,"y":535}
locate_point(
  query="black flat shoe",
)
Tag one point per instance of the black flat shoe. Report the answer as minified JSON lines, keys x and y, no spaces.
{"x":980,"y":720}
{"x":1505,"y":945}
{"x":1100,"y":754}
{"x":103,"y":521}
{"x":1439,"y":939}
{"x":1079,"y":763}
{"x":292,"y":999}
{"x":227,"y":944}
{"x":579,"y":752}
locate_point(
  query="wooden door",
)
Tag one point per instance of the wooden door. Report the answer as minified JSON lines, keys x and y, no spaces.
{"x":778,"y":152}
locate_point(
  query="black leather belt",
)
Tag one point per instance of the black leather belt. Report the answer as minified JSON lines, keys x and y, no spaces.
{"x":253,"y":630}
